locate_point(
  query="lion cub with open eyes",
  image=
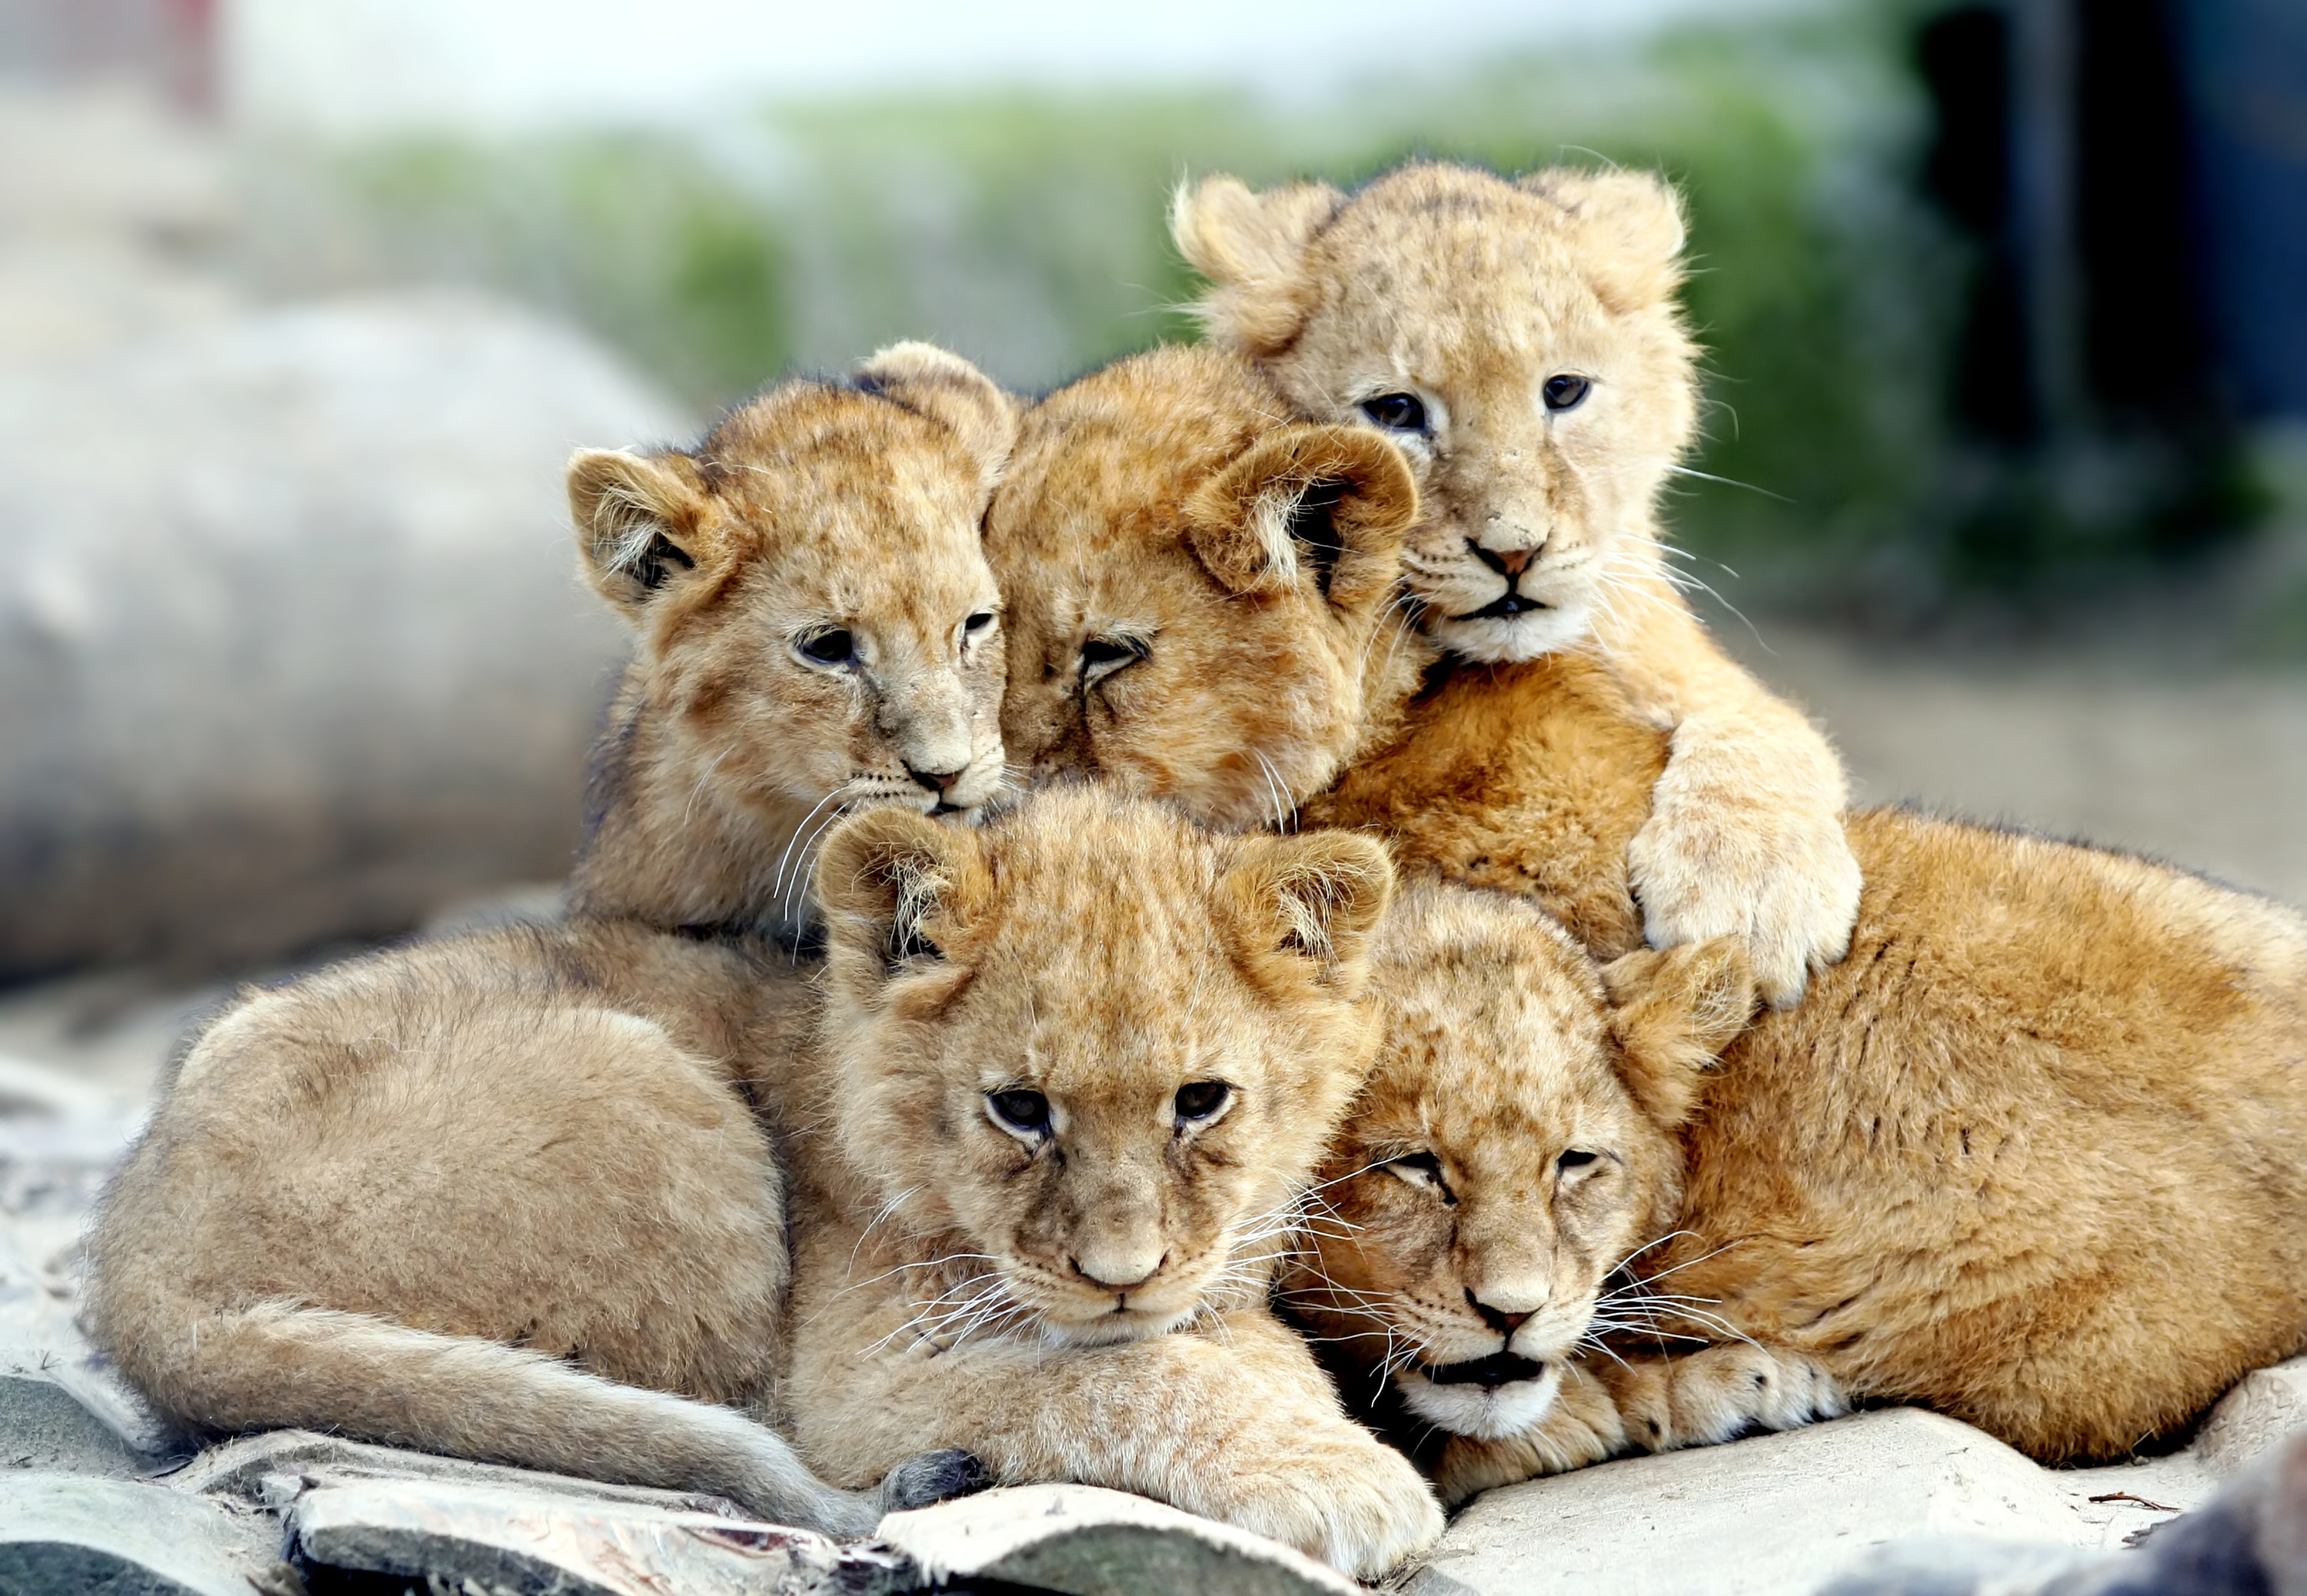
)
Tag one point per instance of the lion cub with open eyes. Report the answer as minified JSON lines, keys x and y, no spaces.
{"x":444,"y":1196}
{"x":1521,"y":342}
{"x":1077,"y":1067}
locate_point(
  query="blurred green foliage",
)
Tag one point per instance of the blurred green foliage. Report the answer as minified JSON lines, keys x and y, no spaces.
{"x":1027,"y":231}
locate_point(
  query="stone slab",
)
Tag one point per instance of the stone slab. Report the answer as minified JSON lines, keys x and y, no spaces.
{"x":1085,"y":1542}
{"x":463,"y":1536}
{"x":1775,"y":1514}
{"x":62,"y":1534}
{"x":273,"y":1468}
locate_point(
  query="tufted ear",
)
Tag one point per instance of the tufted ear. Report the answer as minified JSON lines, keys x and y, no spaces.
{"x":640,"y":523}
{"x":1312,"y":901}
{"x":1324,"y":507}
{"x":1252,"y":247}
{"x":894,"y":886}
{"x":1632,"y":223}
{"x":1672,"y":1011}
{"x":945,"y":388}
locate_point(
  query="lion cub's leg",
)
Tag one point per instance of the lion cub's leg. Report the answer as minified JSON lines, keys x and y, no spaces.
{"x":1232,"y":1420}
{"x":1648,"y":1405}
{"x":1745,"y":837}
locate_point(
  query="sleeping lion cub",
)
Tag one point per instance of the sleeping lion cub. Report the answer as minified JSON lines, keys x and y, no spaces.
{"x":2041,"y":1168}
{"x":411,"y":1198}
{"x":2034,"y":1154}
{"x":1520,"y":340}
{"x":1075,"y":1068}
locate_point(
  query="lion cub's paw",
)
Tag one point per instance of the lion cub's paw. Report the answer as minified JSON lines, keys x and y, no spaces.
{"x":1345,"y":1498}
{"x":1582,"y":1427}
{"x":1724,"y":1392}
{"x":1730,"y":850}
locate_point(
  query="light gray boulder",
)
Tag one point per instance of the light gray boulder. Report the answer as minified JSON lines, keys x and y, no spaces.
{"x":292,"y":645}
{"x":1091,"y":1542}
{"x":64,"y":1535}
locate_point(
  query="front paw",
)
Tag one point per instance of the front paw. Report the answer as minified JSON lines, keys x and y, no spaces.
{"x":1775,"y":870}
{"x":1722,"y":1393}
{"x":1353,"y":1502}
{"x":1581,"y":1426}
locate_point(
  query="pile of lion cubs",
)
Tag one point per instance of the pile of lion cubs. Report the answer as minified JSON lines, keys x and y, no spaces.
{"x":1173,"y":936}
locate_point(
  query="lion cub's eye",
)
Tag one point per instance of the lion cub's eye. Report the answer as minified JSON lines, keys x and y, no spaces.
{"x":832,"y":646}
{"x":1199,"y":1100}
{"x":978,"y":622}
{"x":1575,"y":1159}
{"x":1101,"y":657}
{"x":1019,"y":1111}
{"x":1422,"y":1170}
{"x":1565,"y":392}
{"x":1397,"y":413}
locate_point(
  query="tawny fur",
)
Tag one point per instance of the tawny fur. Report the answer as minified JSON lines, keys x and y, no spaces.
{"x":411,"y":1198}
{"x":1085,"y":1299}
{"x":2033,"y":1154}
{"x":1468,"y":293}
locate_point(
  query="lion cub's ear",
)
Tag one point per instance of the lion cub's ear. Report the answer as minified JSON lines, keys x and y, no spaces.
{"x":895,"y":887}
{"x":1324,"y":507}
{"x":1253,"y":248}
{"x":1308,"y":903}
{"x":945,"y":388}
{"x":1672,"y":1011}
{"x":1632,"y":223}
{"x":640,"y":523}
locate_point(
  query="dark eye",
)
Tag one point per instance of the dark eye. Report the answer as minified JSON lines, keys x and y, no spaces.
{"x":1574,"y":1159}
{"x":1564,"y":393}
{"x":1102,"y":656}
{"x":1019,"y":1110}
{"x":1422,"y":1169}
{"x":1200,"y":1099}
{"x":979,"y":621}
{"x":1397,"y":413}
{"x":832,"y":646}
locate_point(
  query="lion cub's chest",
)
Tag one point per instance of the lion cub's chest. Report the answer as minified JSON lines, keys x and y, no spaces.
{"x":1528,"y":779}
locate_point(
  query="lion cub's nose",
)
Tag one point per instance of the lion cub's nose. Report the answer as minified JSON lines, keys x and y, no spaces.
{"x":1119,"y":1274}
{"x":1506,"y":562}
{"x":935,"y":780}
{"x":1497,"y":1319}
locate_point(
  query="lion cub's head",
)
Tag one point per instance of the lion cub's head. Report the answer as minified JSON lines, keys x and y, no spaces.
{"x":1201,"y":591}
{"x":1097,"y":1049}
{"x":1514,"y":1145}
{"x":814,"y":618}
{"x":1519,"y":339}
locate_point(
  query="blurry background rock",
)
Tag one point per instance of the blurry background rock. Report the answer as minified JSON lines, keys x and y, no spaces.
{"x":2005,"y":446}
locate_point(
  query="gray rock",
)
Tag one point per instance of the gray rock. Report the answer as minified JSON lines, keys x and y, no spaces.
{"x":64,"y":1535}
{"x":44,"y":1426}
{"x":2250,"y":1540}
{"x":275,"y":1468}
{"x":292,"y":645}
{"x":463,"y":1536}
{"x":2266,"y":1408}
{"x":62,"y":1404}
{"x":1775,"y":1514}
{"x":1092,"y":1542}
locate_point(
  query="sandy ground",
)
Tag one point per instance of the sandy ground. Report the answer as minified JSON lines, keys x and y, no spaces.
{"x":2207,"y":770}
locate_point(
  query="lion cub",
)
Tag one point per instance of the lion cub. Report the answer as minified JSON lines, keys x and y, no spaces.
{"x":1520,"y":340}
{"x":443,"y":1196}
{"x":2034,"y":1155}
{"x":1075,"y":1068}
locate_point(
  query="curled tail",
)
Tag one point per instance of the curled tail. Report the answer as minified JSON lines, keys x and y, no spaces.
{"x":277,"y":1364}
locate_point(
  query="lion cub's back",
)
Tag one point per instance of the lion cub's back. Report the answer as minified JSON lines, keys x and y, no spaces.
{"x":1528,"y":779}
{"x":2035,"y":1151}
